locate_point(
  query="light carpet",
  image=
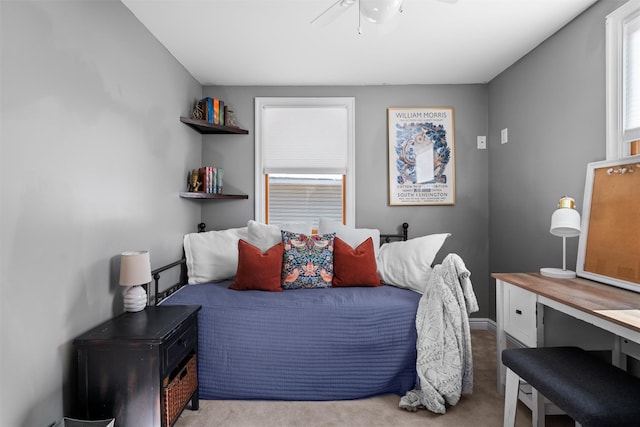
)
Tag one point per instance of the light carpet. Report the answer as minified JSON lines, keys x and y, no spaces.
{"x":482,"y":408}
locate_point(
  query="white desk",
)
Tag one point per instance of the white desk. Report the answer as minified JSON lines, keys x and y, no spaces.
{"x":520,"y":302}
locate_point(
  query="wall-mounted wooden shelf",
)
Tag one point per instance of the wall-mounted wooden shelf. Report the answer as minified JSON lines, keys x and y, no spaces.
{"x":205,"y":127}
{"x":195,"y":195}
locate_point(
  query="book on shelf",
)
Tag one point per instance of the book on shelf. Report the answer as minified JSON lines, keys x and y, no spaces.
{"x":216,"y":111}
{"x":207,"y":179}
{"x":212,"y":179}
{"x":213,"y":110}
{"x":207,"y":108}
{"x":219,"y":176}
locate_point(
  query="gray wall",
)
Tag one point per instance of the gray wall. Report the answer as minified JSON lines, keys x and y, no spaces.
{"x":92,"y":159}
{"x":553,"y":103}
{"x":467,"y":220}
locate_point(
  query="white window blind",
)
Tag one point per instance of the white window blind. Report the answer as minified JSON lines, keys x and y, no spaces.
{"x":623,"y":80}
{"x":631,"y":76}
{"x":305,"y":139}
{"x":304,"y":199}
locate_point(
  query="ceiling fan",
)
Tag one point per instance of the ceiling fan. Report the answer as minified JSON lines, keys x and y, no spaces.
{"x":375,"y":11}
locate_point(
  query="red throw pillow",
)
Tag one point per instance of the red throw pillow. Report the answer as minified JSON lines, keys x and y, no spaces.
{"x":256,"y":270}
{"x":354,"y":267}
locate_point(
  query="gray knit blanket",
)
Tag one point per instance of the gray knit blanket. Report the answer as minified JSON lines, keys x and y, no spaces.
{"x":444,"y":358}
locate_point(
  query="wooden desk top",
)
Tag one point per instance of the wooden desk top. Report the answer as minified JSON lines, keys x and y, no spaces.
{"x":611,"y":303}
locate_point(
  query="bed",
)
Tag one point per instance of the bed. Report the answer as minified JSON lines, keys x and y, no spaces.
{"x":330,"y":343}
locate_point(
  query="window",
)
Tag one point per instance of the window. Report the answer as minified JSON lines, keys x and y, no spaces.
{"x":304,"y":160}
{"x":304,"y":197}
{"x":623,"y":81}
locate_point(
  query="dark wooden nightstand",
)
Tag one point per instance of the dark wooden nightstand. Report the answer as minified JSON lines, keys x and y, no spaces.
{"x":140,"y":368}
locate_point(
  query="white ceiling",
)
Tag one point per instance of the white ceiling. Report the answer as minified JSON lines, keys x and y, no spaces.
{"x":272,"y":42}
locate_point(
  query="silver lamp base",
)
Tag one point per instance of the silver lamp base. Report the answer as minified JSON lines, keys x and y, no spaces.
{"x":558,"y":273}
{"x":135,"y":299}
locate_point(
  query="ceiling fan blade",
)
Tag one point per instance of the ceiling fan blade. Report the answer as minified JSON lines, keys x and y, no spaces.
{"x":333,"y":11}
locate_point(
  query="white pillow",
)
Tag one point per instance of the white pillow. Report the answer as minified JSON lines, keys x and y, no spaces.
{"x":265,"y":236}
{"x":351,"y":236}
{"x":408,"y":264}
{"x":213,"y":255}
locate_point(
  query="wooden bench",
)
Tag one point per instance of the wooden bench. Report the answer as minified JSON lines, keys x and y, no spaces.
{"x":591,"y":391}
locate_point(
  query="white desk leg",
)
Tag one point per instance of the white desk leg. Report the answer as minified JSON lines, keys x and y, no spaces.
{"x":539,"y":325}
{"x":501,"y":336}
{"x":511,"y":398}
{"x":537,"y":410}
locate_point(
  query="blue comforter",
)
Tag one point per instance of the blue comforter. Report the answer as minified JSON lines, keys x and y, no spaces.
{"x":305,"y":344}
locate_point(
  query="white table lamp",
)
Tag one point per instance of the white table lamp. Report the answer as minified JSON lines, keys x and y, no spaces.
{"x":135,"y":270}
{"x":565,"y":222}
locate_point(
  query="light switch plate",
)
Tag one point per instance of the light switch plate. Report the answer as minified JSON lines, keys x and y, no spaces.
{"x":504,"y":136}
{"x":482,"y":142}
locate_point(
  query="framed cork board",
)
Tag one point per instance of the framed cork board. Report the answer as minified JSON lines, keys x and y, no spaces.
{"x":609,"y":247}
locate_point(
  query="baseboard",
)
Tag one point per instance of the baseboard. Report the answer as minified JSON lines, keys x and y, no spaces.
{"x":482,"y":324}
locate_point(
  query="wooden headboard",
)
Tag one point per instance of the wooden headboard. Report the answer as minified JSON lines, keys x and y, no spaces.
{"x":157,"y":296}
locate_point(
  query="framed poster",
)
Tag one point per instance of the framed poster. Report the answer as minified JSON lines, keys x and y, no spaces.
{"x":421,"y":156}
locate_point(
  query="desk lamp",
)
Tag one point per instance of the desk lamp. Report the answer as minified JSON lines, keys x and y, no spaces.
{"x":565,"y":222}
{"x":135,"y":270}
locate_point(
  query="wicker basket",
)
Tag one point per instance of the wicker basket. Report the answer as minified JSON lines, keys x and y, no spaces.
{"x":178,"y":392}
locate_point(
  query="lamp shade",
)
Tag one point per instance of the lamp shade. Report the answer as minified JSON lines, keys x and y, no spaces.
{"x":135,"y":268}
{"x":378,"y":11}
{"x":565,"y":221}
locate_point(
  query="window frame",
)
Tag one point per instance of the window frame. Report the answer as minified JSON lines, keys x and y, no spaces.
{"x":615,"y":21}
{"x":263,"y":103}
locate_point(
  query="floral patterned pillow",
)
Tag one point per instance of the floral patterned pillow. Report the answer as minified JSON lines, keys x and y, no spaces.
{"x":308,"y":260}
